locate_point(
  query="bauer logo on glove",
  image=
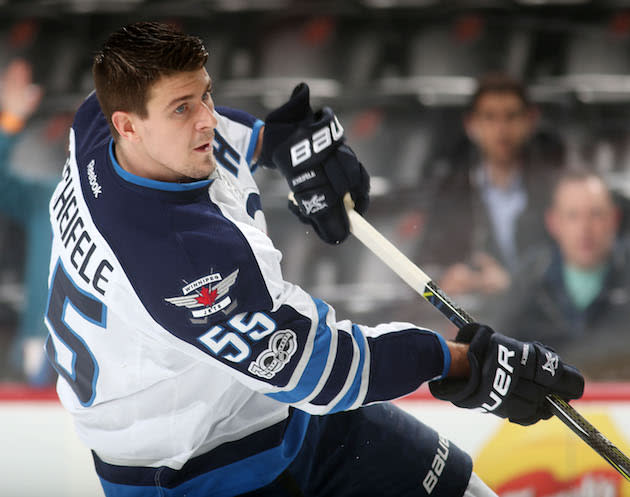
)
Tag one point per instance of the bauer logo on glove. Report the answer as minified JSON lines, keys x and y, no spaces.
{"x":502,"y":378}
{"x":321,"y":140}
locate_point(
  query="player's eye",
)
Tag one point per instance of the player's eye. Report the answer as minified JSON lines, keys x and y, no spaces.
{"x":206,"y":96}
{"x":181,"y":109}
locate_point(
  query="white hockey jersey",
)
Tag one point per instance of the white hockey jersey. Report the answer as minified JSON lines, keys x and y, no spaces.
{"x":185,"y":358}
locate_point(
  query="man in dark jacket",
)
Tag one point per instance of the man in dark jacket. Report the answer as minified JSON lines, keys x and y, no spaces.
{"x":489,"y":204}
{"x":576,"y":295}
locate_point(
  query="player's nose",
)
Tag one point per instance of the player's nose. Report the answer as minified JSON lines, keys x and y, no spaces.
{"x":206,"y":118}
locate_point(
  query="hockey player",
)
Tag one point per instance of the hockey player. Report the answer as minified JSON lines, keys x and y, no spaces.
{"x":190,"y":366}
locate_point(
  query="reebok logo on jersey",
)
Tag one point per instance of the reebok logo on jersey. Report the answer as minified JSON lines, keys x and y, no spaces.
{"x":206,"y":295}
{"x":91,"y":174}
{"x":282,"y":345}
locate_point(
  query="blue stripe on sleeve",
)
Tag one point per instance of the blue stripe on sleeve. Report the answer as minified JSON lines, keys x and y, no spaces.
{"x":353,"y":392}
{"x":339,"y":372}
{"x":316,"y":364}
{"x":447,"y":356}
{"x":253,"y":141}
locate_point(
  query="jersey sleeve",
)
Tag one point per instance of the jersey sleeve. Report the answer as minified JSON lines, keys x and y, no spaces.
{"x":243,"y":130}
{"x":344,"y":365}
{"x":279,"y":340}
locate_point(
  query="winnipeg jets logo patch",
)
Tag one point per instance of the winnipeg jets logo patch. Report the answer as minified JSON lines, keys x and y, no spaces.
{"x":552,"y":363}
{"x":206,"y":295}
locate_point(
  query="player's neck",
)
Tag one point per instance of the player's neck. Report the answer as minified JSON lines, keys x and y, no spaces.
{"x":134,"y":162}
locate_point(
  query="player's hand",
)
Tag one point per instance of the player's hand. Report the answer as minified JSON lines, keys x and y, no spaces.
{"x":18,"y":95}
{"x":509,"y":378}
{"x":308,"y":148}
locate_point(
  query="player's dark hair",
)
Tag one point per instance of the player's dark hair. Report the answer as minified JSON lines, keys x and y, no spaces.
{"x":498,"y":83}
{"x":134,"y":58}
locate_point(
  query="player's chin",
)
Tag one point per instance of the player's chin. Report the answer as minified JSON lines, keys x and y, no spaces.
{"x":211,"y":164}
{"x":205,"y":167}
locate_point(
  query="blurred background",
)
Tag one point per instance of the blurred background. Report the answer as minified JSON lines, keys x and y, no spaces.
{"x":401,"y":76}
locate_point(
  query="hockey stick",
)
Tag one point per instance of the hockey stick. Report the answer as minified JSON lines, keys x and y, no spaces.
{"x":421,"y":283}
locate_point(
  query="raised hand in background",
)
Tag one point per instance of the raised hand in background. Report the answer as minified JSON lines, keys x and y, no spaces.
{"x":19,"y":96}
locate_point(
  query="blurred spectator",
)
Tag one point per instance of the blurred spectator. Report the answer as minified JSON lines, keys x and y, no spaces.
{"x":576,"y":296}
{"x":25,"y":200}
{"x":488,"y":206}
{"x":11,"y":270}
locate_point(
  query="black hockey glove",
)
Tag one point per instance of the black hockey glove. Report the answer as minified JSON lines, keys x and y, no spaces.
{"x":308,"y":148}
{"x":509,"y":378}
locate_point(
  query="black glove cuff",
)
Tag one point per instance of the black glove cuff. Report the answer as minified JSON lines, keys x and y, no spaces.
{"x":467,"y":332}
{"x":458,"y":389}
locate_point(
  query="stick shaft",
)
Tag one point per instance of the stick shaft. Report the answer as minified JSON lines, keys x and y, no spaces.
{"x":421,"y":283}
{"x":411,"y":274}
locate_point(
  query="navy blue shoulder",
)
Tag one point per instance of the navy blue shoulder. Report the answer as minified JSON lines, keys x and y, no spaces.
{"x":90,"y":126}
{"x":190,"y":266}
{"x":239,"y":116}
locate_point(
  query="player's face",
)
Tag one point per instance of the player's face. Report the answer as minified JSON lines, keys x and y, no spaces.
{"x":500,"y":124}
{"x":583,"y":221}
{"x":176,"y":136}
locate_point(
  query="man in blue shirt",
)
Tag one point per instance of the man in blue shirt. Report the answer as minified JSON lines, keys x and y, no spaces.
{"x":487,"y":208}
{"x":575,"y":295}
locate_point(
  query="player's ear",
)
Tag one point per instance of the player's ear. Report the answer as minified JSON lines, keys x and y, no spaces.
{"x":124,"y":124}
